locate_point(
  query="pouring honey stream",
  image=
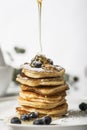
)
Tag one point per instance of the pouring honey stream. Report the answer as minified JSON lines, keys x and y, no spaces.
{"x":40,"y":23}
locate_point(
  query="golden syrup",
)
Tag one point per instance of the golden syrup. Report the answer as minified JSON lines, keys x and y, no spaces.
{"x":40,"y":28}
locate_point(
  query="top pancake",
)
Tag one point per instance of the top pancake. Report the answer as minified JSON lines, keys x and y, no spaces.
{"x":46,"y":71}
{"x":41,"y":67}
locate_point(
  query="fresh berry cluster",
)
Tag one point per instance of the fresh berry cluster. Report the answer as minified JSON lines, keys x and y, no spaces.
{"x":43,"y":121}
{"x":83,"y":106}
{"x":40,"y":60}
{"x":27,"y":117}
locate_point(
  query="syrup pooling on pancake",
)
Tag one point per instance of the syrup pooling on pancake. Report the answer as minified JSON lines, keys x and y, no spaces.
{"x":43,"y":88}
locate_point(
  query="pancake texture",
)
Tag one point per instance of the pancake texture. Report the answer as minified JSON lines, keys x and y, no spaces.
{"x":39,"y":82}
{"x":57,"y":111}
{"x":59,"y":90}
{"x":43,"y":88}
{"x":31,"y":96}
{"x":46,"y":71}
{"x":39,"y":104}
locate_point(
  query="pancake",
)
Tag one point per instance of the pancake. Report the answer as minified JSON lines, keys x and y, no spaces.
{"x":59,"y":90}
{"x":57,"y":111}
{"x":44,"y":105}
{"x":31,"y":96}
{"x":46,"y":71}
{"x":40,"y":82}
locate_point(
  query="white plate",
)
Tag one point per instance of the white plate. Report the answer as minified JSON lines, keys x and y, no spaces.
{"x":47,"y":127}
{"x":7,"y":106}
{"x":75,"y":120}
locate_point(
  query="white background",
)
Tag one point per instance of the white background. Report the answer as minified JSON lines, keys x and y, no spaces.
{"x":64,"y":30}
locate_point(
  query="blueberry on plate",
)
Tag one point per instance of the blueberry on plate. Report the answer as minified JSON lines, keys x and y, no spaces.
{"x":75,"y":79}
{"x":33,"y":115}
{"x":47,"y":120}
{"x":43,"y":121}
{"x":24,"y":117}
{"x":83,"y":106}
{"x":15,"y":120}
{"x":38,"y":121}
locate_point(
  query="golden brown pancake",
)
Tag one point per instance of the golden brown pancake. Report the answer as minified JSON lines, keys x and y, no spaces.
{"x":39,"y":104}
{"x":46,"y":71}
{"x":57,"y":111}
{"x":59,"y":90}
{"x":40,"y":82}
{"x":31,"y":96}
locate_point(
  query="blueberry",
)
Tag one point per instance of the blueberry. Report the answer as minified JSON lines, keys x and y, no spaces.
{"x":50,"y":61}
{"x":15,"y":120}
{"x":25,"y":117}
{"x":76,"y":79}
{"x":33,"y":115}
{"x":43,"y":121}
{"x":37,"y":64}
{"x":83,"y":106}
{"x":47,"y":120}
{"x":38,"y":121}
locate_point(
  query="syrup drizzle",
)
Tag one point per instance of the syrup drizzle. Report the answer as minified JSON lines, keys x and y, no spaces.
{"x":40,"y":30}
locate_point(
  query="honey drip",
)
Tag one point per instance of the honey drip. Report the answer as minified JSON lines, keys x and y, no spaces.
{"x":40,"y":30}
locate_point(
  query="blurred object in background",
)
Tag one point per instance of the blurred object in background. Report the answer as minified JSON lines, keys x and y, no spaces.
{"x":14,"y":54}
{"x":85,"y":72}
{"x":11,"y":57}
{"x":72,"y":81}
{"x":2,"y":62}
{"x":6,"y":73}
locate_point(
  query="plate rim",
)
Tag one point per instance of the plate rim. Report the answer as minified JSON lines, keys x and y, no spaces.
{"x":45,"y":126}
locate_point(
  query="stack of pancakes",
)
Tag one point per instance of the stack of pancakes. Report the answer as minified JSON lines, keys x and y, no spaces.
{"x":43,"y":88}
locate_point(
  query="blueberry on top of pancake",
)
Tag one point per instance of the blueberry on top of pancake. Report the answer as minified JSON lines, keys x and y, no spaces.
{"x":40,"y":60}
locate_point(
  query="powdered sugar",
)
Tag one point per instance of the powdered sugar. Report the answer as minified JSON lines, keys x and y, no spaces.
{"x":74,"y":117}
{"x":28,"y":67}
